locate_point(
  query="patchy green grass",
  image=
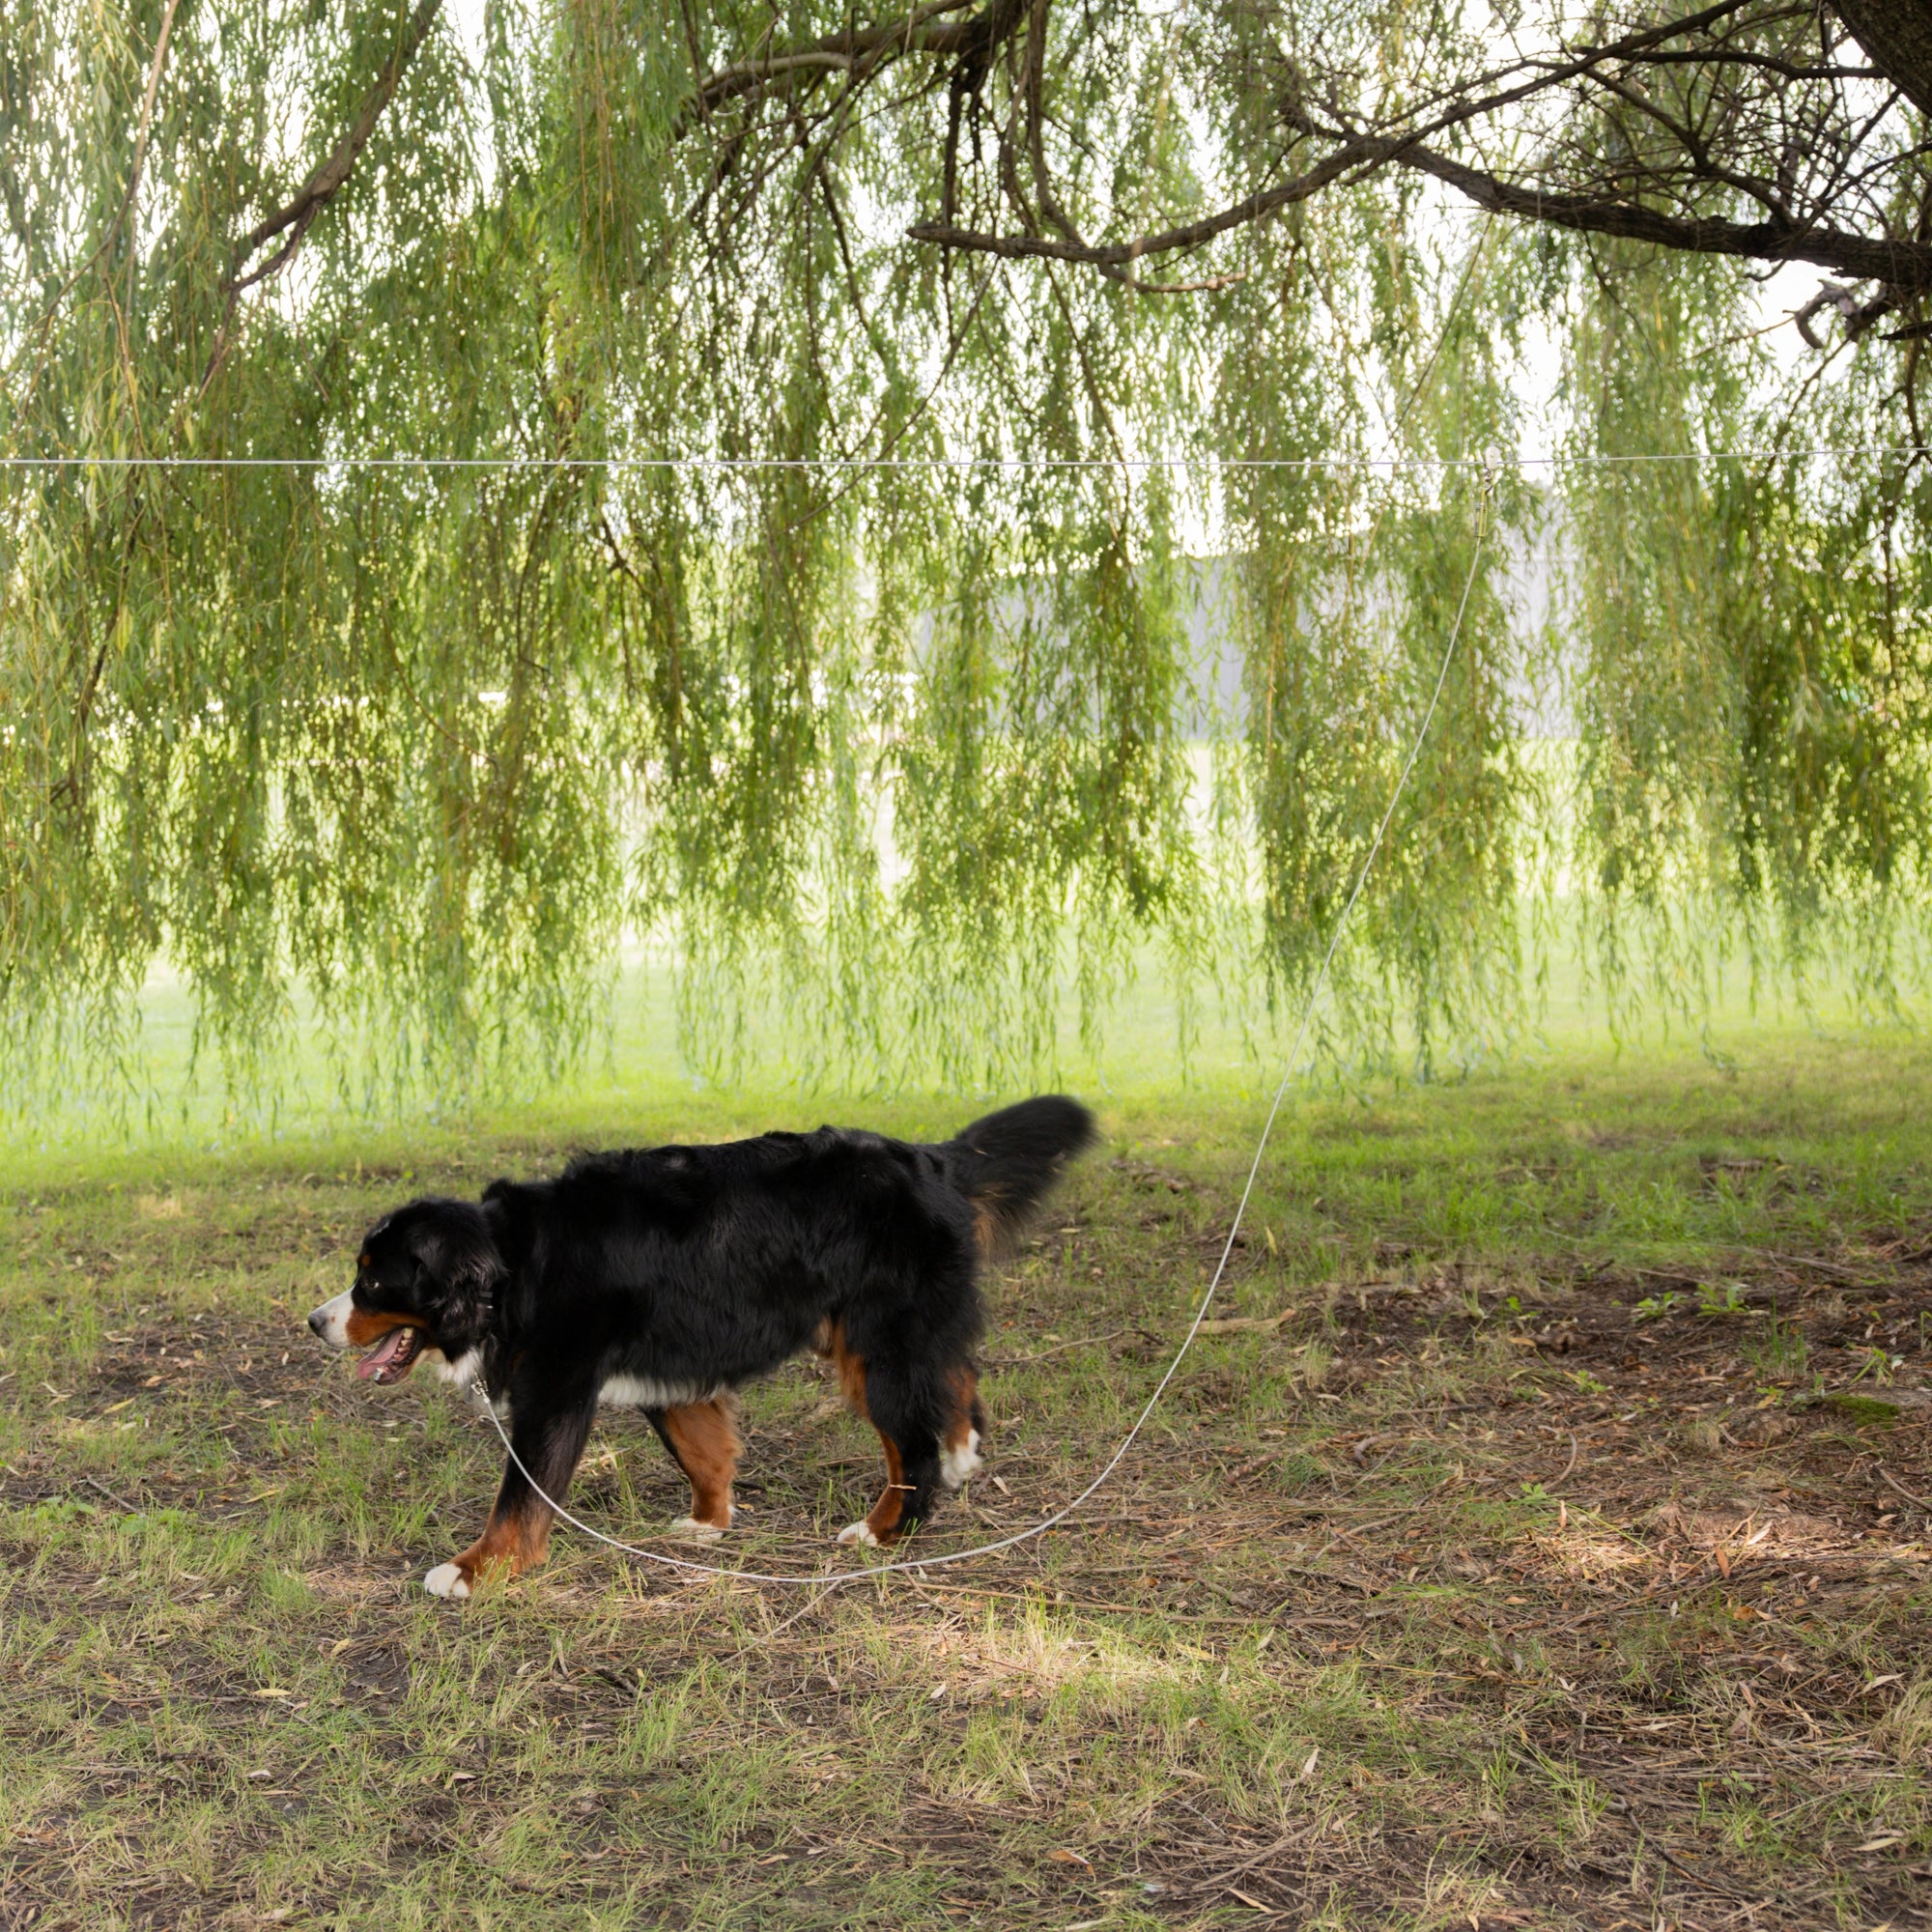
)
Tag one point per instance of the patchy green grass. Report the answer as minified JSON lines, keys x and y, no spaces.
{"x":1540,"y":1539}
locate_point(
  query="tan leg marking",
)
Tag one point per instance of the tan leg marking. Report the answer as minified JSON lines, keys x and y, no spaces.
{"x":704,"y":1437}
{"x":851,"y":1371}
{"x":882,"y":1518}
{"x":510,"y":1544}
{"x":959,"y":1446}
{"x":965,"y":1398}
{"x":882,"y":1523}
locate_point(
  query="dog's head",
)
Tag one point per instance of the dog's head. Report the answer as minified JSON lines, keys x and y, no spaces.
{"x":426,"y":1278}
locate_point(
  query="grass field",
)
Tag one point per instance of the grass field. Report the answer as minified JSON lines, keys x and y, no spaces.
{"x":1542,"y":1540}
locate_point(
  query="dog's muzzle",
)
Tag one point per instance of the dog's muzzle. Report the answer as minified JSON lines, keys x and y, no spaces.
{"x":330,"y":1321}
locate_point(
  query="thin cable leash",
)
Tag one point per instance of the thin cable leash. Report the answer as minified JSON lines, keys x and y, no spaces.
{"x":836,"y":1580}
{"x":1488,"y":464}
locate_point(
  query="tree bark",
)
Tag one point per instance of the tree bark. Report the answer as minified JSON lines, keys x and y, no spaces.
{"x":1897,"y":35}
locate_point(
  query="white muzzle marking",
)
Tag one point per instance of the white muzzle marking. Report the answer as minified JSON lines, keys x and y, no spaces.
{"x":331,"y":1319}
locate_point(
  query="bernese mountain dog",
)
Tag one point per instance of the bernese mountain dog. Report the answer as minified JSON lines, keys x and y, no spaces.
{"x":666,"y":1278}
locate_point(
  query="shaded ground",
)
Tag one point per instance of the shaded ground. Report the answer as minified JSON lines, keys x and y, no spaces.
{"x":1463,"y":1579}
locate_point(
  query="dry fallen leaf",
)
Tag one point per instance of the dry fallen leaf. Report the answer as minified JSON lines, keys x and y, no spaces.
{"x":1246,"y":1324}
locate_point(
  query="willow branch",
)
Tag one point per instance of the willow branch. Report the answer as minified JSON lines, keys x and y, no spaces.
{"x":315,"y":192}
{"x":1461,"y":100}
{"x":1349,"y":158}
{"x":127,"y":200}
{"x":147,"y":127}
{"x":295,"y":218}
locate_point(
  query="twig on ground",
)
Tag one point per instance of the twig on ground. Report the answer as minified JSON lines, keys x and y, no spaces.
{"x":132,"y":1508}
{"x":812,"y":1603}
{"x":1900,"y":1486}
{"x":1058,"y":1349}
{"x":1820,"y":1264}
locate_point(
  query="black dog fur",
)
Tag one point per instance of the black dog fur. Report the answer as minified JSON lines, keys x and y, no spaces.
{"x":666,"y":1278}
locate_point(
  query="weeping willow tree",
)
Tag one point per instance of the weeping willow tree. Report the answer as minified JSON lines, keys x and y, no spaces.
{"x":788,"y":484}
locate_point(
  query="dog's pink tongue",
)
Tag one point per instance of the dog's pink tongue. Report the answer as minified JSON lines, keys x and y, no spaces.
{"x":383,"y":1353}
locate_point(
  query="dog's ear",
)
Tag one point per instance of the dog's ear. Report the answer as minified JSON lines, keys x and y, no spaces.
{"x":461,"y":1271}
{"x":475,"y":1267}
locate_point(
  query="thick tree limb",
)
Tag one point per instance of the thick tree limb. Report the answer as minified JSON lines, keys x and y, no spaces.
{"x":1897,"y":33}
{"x":1897,"y":263}
{"x":1754,"y":64}
{"x":1357,"y":153}
{"x":926,"y":30}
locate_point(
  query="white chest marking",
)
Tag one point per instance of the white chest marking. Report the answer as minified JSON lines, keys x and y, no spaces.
{"x":463,"y":1373}
{"x":648,"y":1392}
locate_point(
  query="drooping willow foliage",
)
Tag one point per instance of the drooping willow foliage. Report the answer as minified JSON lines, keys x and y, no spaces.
{"x":899,"y":637}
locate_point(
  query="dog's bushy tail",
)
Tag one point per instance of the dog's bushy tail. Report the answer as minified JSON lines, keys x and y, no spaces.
{"x":1007,"y":1164}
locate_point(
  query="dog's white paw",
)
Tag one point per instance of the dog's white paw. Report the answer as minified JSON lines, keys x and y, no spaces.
{"x":958,"y":1459}
{"x":693,"y":1530}
{"x":860,"y":1533}
{"x":447,"y":1580}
